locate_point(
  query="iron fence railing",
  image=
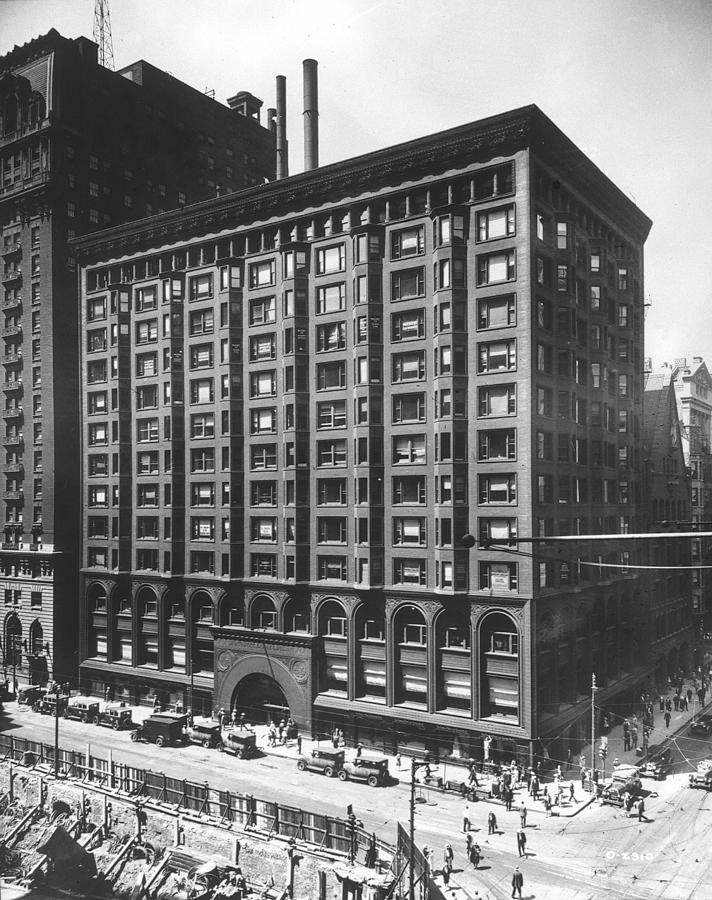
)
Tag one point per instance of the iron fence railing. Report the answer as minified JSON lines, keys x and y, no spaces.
{"x":245,"y":810}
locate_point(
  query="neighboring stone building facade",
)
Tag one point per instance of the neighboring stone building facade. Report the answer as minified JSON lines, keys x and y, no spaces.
{"x":81,"y":148}
{"x":693,"y":390}
{"x":318,"y":389}
{"x":667,"y":488}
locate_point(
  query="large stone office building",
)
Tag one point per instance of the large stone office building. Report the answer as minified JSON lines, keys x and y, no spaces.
{"x":298,"y":399}
{"x":81,"y":148}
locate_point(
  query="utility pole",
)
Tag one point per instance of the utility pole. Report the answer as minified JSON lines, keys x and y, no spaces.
{"x":414,"y":766}
{"x":56,"y":731}
{"x":594,"y":688}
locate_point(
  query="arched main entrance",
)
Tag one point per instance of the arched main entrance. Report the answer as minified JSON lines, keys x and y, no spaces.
{"x":260,"y":698}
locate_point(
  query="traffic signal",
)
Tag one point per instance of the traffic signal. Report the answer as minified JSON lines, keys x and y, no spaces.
{"x":603,"y":750}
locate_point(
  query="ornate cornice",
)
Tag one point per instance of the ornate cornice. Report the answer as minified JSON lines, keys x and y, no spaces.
{"x":237,"y":634}
{"x":431,"y":156}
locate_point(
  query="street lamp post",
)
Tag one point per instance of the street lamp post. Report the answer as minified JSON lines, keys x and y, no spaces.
{"x":594,"y":688}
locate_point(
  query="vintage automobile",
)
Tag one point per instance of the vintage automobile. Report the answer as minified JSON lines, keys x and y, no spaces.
{"x":86,"y":709}
{"x":701,"y":725}
{"x":27,"y":696}
{"x":240,"y":741}
{"x":373,"y":771}
{"x":50,"y":705}
{"x":203,"y":732}
{"x":328,"y":762}
{"x":702,"y":778}
{"x":658,"y":763}
{"x":625,"y":780}
{"x":116,"y":716}
{"x":161,"y":729}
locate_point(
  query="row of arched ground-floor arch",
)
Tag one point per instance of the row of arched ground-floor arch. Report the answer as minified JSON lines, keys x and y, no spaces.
{"x":436,"y":659}
{"x":24,"y":651}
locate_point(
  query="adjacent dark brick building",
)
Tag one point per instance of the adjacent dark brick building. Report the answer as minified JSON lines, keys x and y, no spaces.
{"x":81,"y":148}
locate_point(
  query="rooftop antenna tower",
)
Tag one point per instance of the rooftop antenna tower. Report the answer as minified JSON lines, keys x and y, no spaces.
{"x":102,"y":33}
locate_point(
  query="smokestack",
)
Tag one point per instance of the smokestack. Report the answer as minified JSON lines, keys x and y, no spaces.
{"x":281,"y":129}
{"x":311,"y":115}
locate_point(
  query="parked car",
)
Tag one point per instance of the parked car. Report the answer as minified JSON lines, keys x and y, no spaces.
{"x":27,"y":696}
{"x":240,"y":741}
{"x":701,"y":725}
{"x":702,"y":778}
{"x":328,"y":762}
{"x":658,"y":763}
{"x":116,"y":716}
{"x":161,"y":728}
{"x":50,"y":705}
{"x":86,"y":709}
{"x":373,"y":771}
{"x":205,"y":733}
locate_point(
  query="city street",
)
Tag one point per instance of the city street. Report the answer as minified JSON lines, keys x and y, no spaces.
{"x":595,"y":853}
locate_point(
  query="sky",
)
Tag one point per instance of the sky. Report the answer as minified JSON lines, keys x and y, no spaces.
{"x":629,"y":81}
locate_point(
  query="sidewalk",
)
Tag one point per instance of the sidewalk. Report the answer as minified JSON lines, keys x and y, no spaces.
{"x":616,"y":752}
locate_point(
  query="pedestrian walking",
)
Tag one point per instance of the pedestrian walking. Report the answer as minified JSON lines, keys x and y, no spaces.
{"x":446,"y":877}
{"x":668,"y":704}
{"x":399,"y":759}
{"x":689,"y":695}
{"x":221,"y":718}
{"x":517,"y":883}
{"x":535,"y":788}
{"x":491,"y":823}
{"x":572,"y":797}
{"x":640,"y":808}
{"x":634,"y":738}
{"x":547,"y":805}
{"x":359,"y":750}
{"x":468,"y":844}
{"x":475,"y":855}
{"x":676,"y":701}
{"x":448,"y":857}
{"x":523,"y":814}
{"x":466,"y":817}
{"x":508,"y":797}
{"x":667,"y":719}
{"x":522,"y":843}
{"x":662,"y":703}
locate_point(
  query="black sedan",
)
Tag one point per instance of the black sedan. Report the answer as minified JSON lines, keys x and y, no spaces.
{"x":701,"y":725}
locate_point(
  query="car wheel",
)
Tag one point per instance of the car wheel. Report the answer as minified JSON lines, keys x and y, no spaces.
{"x":302,"y":766}
{"x":95,"y":720}
{"x":65,"y":714}
{"x":220,"y":747}
{"x":240,"y":754}
{"x":329,"y":771}
{"x":160,"y":740}
{"x":343,"y":776}
{"x":206,"y":743}
{"x":83,"y":718}
{"x":134,"y":736}
{"x":372,"y":781}
{"x":114,"y":725}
